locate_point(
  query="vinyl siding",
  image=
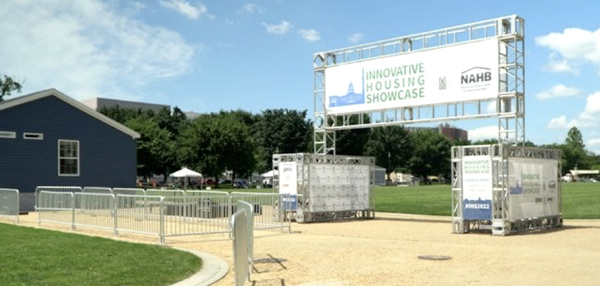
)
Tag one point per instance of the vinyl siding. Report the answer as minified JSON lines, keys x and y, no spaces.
{"x":107,"y":155}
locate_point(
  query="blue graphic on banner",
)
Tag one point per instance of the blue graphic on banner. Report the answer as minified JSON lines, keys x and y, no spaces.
{"x":516,"y":190}
{"x":477,"y":209}
{"x":350,"y":98}
{"x":290,"y":203}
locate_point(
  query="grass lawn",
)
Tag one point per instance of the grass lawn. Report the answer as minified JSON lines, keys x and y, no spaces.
{"x":30,"y":256}
{"x":580,"y":200}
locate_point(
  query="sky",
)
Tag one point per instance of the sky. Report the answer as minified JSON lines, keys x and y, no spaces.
{"x":208,"y":56}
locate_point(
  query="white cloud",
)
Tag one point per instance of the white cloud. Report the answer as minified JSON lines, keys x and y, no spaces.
{"x":558,"y":90}
{"x":561,"y":66}
{"x":591,"y":113}
{"x":355,"y":38}
{"x":252,"y":8}
{"x":310,"y":35}
{"x":593,"y":142}
{"x":86,"y":48}
{"x":575,"y":46}
{"x":559,"y":123}
{"x":589,"y":117}
{"x":482,"y":133}
{"x":279,"y":29}
{"x":187,"y":9}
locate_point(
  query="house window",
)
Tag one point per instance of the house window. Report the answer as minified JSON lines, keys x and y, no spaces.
{"x":68,"y":158}
{"x":33,"y":136}
{"x":8,"y":134}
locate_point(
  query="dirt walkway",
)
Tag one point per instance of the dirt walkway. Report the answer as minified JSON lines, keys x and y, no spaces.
{"x":385,"y":251}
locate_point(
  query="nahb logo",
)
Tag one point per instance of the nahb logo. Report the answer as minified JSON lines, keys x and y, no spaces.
{"x":476,"y":75}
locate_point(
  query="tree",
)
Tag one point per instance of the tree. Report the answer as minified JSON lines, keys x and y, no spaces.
{"x":351,"y":142}
{"x":431,"y":154}
{"x":573,"y":152}
{"x":7,"y":86}
{"x":152,"y":147}
{"x":162,"y":125}
{"x":280,"y":131}
{"x":215,"y":143}
{"x":391,"y":146}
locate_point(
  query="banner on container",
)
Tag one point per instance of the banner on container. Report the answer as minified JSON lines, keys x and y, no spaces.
{"x":288,"y":178}
{"x":533,"y":188}
{"x":477,"y":187}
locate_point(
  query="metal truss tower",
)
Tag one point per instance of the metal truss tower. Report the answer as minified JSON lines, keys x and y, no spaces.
{"x":509,"y":104}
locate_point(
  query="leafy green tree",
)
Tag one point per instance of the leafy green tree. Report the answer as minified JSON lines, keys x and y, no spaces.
{"x":391,"y":146}
{"x":215,"y":143}
{"x":280,"y":131}
{"x":573,"y":151}
{"x":146,"y":123}
{"x":7,"y":86}
{"x":431,"y":154}
{"x":151,"y":146}
{"x":351,"y":142}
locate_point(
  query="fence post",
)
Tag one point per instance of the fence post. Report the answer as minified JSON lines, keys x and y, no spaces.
{"x":162,"y":220}
{"x":72,"y":211}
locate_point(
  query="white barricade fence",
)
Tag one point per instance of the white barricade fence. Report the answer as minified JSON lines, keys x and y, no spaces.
{"x":56,"y":207}
{"x":9,"y":203}
{"x":240,"y":246}
{"x":268,"y":210}
{"x":128,"y":191}
{"x":83,"y":203}
{"x":249,"y":230}
{"x":140,"y":214}
{"x":198,"y":212}
{"x":167,"y":213}
{"x":97,"y":210}
{"x":65,"y":189}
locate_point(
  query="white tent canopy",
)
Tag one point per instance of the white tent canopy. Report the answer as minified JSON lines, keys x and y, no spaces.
{"x":186,"y":173}
{"x":268,"y":174}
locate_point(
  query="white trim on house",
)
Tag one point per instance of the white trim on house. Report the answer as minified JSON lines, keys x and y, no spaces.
{"x":53,"y":92}
{"x":33,"y":136}
{"x":77,"y":157}
{"x":8,"y":134}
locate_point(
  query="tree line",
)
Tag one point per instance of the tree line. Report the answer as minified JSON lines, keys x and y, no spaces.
{"x":243,"y":143}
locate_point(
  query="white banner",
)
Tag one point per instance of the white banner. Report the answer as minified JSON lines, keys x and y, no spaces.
{"x":477,"y":187}
{"x":533,"y":188}
{"x":454,"y":73}
{"x":288,"y":178}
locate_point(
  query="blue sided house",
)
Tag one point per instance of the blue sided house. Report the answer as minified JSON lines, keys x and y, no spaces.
{"x":50,"y":139}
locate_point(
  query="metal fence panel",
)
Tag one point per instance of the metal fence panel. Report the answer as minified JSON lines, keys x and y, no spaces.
{"x":250,"y":229}
{"x":97,"y":210}
{"x":65,"y":189}
{"x":166,"y":193}
{"x":268,"y":210}
{"x":140,"y":214}
{"x":240,"y":247}
{"x":9,"y":203}
{"x":128,"y":191}
{"x":198,"y":212}
{"x":56,"y":207}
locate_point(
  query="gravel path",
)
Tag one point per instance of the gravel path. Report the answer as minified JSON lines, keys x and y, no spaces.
{"x":386,"y":250}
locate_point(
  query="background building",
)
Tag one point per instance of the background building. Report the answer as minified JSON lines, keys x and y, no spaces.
{"x":97,"y":102}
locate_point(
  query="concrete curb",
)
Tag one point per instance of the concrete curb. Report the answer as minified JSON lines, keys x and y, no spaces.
{"x":213,"y":269}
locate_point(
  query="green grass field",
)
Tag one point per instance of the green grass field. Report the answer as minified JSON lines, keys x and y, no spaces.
{"x":31,"y":257}
{"x":580,"y":200}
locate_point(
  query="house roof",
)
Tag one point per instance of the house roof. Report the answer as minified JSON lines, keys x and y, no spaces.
{"x":82,"y":107}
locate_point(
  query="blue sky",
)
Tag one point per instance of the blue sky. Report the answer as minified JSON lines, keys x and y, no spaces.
{"x":206,"y":56}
